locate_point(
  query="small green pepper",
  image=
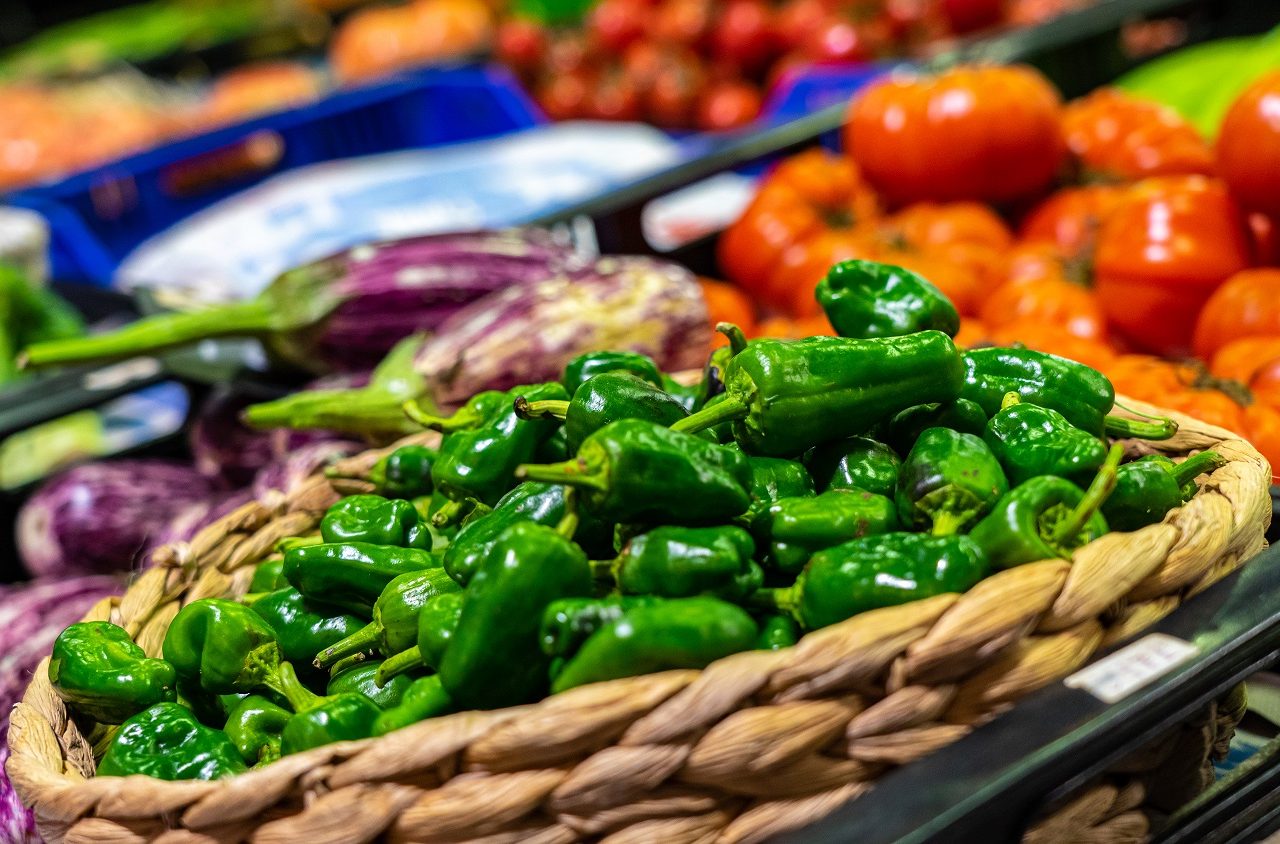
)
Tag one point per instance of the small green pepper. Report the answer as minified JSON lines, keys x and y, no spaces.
{"x":351,"y":575}
{"x":254,"y":726}
{"x":344,"y":717}
{"x":800,"y":526}
{"x":268,"y":576}
{"x":867,"y":299}
{"x":772,"y":479}
{"x":222,"y":647}
{"x":678,"y":633}
{"x":634,"y":471}
{"x":361,"y":679}
{"x":777,"y":631}
{"x":395,"y":617}
{"x":554,"y":448}
{"x":569,"y":622}
{"x":1150,"y":487}
{"x":903,"y":429}
{"x":680,"y":562}
{"x":586,"y":366}
{"x":1030,"y":441}
{"x":405,"y":472}
{"x":479,"y":410}
{"x":1046,"y":517}
{"x":856,"y":463}
{"x":948,"y":482}
{"x":437,"y":623}
{"x":425,"y":698}
{"x":878,"y":571}
{"x":99,"y":671}
{"x":602,"y":399}
{"x":168,"y":743}
{"x":375,"y":520}
{"x":301,"y":628}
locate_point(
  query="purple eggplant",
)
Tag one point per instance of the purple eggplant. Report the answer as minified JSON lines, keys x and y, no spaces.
{"x":223,"y":447}
{"x":346,"y":311}
{"x":285,"y":474}
{"x":100,"y":517}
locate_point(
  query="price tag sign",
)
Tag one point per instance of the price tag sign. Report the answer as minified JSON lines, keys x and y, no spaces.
{"x":1132,"y":667}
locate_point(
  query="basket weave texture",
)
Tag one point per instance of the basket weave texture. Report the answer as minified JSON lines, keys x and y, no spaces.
{"x":755,"y":744}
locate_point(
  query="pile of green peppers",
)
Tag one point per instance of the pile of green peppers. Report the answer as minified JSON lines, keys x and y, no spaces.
{"x":617,"y":523}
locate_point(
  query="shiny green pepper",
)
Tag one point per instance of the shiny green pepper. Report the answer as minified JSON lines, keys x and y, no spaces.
{"x":948,"y":482}
{"x":166,"y":742}
{"x":405,"y":472}
{"x":856,"y":463}
{"x":254,"y":726}
{"x":437,"y":622}
{"x":902,"y":430}
{"x":344,"y":717}
{"x":221,"y":647}
{"x":479,"y":410}
{"x":586,"y":366}
{"x":602,"y":399}
{"x":867,"y":299}
{"x":773,"y":479}
{"x":99,"y":672}
{"x":800,"y":526}
{"x":268,"y":576}
{"x":303,"y":629}
{"x":569,"y":622}
{"x":361,"y":679}
{"x":375,"y":520}
{"x":1030,"y":441}
{"x":395,"y":617}
{"x":680,"y":562}
{"x":1150,"y":487}
{"x":351,"y":575}
{"x":554,"y":448}
{"x":425,"y":698}
{"x":777,"y":631}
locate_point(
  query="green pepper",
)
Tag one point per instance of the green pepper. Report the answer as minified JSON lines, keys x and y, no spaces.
{"x":351,"y":575}
{"x":437,"y":623}
{"x":903,"y":429}
{"x":680,"y":562}
{"x":634,"y":471}
{"x":948,"y":482}
{"x":554,"y":448}
{"x":361,"y":679}
{"x":800,"y":526}
{"x":1148,"y":488}
{"x":395,"y":617}
{"x":344,"y":717}
{"x":878,"y":571}
{"x":268,"y":576}
{"x":579,"y":370}
{"x":602,"y":399}
{"x":301,"y":628}
{"x":777,"y":631}
{"x":772,"y":479}
{"x":98,"y":671}
{"x":494,"y":659}
{"x":786,"y":396}
{"x":1080,"y":393}
{"x":221,"y":647}
{"x":254,"y":726}
{"x":678,"y":633}
{"x":867,"y":299}
{"x":425,"y":698}
{"x":480,"y":463}
{"x":569,"y":622}
{"x":479,"y":411}
{"x":1030,"y":441}
{"x":1046,"y":517}
{"x":375,"y":520}
{"x":689,"y":395}
{"x":168,"y":743}
{"x":405,"y":472}
{"x":856,"y":463}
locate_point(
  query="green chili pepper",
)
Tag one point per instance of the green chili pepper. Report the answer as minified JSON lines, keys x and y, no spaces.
{"x":554,"y":448}
{"x":903,"y":429}
{"x":301,"y":628}
{"x":878,"y":571}
{"x":168,"y":743}
{"x":375,"y":520}
{"x":856,"y":463}
{"x":602,"y":399}
{"x":634,"y":471}
{"x":800,"y":526}
{"x":786,"y":396}
{"x":479,"y":411}
{"x":678,"y":633}
{"x":679,"y":562}
{"x":948,"y":482}
{"x":405,"y":472}
{"x":867,"y":299}
{"x":584,"y":367}
{"x":569,"y":622}
{"x":1030,"y":441}
{"x":351,"y":575}
{"x":773,"y":479}
{"x":98,"y":671}
{"x":395,"y":617}
{"x":344,"y":717}
{"x":254,"y":726}
{"x":222,"y":647}
{"x":425,"y":698}
{"x":268,"y":576}
{"x":437,"y":623}
{"x":361,"y":679}
{"x":1046,"y":517}
{"x":1148,"y":488}
{"x":778,"y":631}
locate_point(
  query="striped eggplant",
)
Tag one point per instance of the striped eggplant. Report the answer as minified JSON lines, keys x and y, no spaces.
{"x":346,"y":311}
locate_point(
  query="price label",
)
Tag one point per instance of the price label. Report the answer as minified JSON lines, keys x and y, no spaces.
{"x":1132,"y":667}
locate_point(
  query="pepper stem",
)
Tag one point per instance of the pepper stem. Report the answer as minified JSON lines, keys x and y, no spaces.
{"x":1010,"y":399}
{"x":1194,"y":467}
{"x":568,"y":524}
{"x":1094,"y":497}
{"x":397,"y":664}
{"x":556,"y":408}
{"x":459,"y":421}
{"x":784,"y":600}
{"x":1119,"y":427}
{"x":725,"y":411}
{"x":363,"y":411}
{"x":449,"y":512}
{"x":737,"y":340}
{"x":947,"y":523}
{"x":289,"y":542}
{"x":285,"y":682}
{"x":362,"y":640}
{"x":574,"y":473}
{"x":603,"y":570}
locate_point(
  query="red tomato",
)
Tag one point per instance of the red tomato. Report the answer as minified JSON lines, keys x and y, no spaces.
{"x":615,"y":24}
{"x":1070,"y":218}
{"x":1266,"y":238}
{"x":1051,"y":337}
{"x":615,"y":97}
{"x":642,"y":61}
{"x":565,"y":95}
{"x":796,"y":19}
{"x":684,"y":22}
{"x":743,"y":35}
{"x":673,"y":93}
{"x":729,"y":105}
{"x":521,"y":44}
{"x":1246,"y":305}
{"x":981,"y":133}
{"x":970,"y":15}
{"x":567,"y":53}
{"x":1118,"y":137}
{"x":1249,"y":145}
{"x":805,"y":264}
{"x":1070,"y":307}
{"x":838,"y":41}
{"x":1161,"y":254}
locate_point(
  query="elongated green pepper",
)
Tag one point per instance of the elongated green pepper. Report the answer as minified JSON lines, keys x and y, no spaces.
{"x":678,"y":633}
{"x":165,"y":741}
{"x":361,"y":678}
{"x":800,"y":526}
{"x":1150,"y":487}
{"x":569,"y":622}
{"x":437,"y":622}
{"x":99,"y":671}
{"x":344,"y":717}
{"x":254,"y":726}
{"x":586,"y":366}
{"x":425,"y":698}
{"x":351,"y":575}
{"x":395,"y":617}
{"x":868,"y":299}
{"x":786,"y":396}
{"x":948,"y":482}
{"x":634,"y":471}
{"x":375,"y":520}
{"x":602,"y":399}
{"x":1030,"y":441}
{"x":480,"y":410}
{"x":777,"y":631}
{"x":680,"y":562}
{"x":902,"y":430}
{"x":303,"y":629}
{"x":856,"y":463}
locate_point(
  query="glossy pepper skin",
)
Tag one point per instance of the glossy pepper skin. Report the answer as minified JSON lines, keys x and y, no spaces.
{"x":602,"y":399}
{"x":351,"y":575}
{"x":375,"y":520}
{"x":777,"y":631}
{"x":405,"y":472}
{"x":903,"y":429}
{"x":479,"y":410}
{"x":437,"y":622}
{"x":880,"y":571}
{"x":99,"y":671}
{"x":1030,"y":441}
{"x":268,"y":576}
{"x":302,"y":629}
{"x":772,"y":479}
{"x":480,"y":463}
{"x":254,"y":726}
{"x":494,"y":659}
{"x":425,"y":698}
{"x":223,"y":647}
{"x":786,"y":396}
{"x":586,"y":366}
{"x":856,"y":463}
{"x":1150,"y":487}
{"x":680,"y":562}
{"x":166,"y":742}
{"x":360,"y":679}
{"x":394,"y":627}
{"x":800,"y":526}
{"x":948,"y":482}
{"x":344,"y":717}
{"x":569,"y":622}
{"x":678,"y":633}
{"x":636,"y":472}
{"x":865,"y":299}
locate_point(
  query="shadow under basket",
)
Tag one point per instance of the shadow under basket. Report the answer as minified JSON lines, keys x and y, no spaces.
{"x":756,"y":744}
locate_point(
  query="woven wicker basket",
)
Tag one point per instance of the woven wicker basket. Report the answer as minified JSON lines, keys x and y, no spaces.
{"x":757,"y":743}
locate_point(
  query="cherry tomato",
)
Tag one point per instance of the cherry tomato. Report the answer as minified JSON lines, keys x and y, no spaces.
{"x":1249,"y":145}
{"x":743,"y":35}
{"x":838,"y":41}
{"x":673,"y":93}
{"x":684,"y":22}
{"x":521,"y":44}
{"x":567,"y":53}
{"x":615,"y":24}
{"x":615,"y":97}
{"x":565,"y":95}
{"x":729,"y":105}
{"x":796,"y":19}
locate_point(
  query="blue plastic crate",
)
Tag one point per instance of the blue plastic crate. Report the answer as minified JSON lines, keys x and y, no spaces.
{"x":97,"y":217}
{"x":814,"y":88}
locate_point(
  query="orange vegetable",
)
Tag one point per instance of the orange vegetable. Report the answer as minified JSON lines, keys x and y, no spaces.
{"x":1246,"y":305}
{"x":1249,"y":145}
{"x":1070,"y":307}
{"x":727,"y":303}
{"x":1052,"y":338}
{"x":973,"y":332}
{"x":1263,"y":424}
{"x":1070,"y":218}
{"x":1119,"y":137}
{"x":1241,"y":359}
